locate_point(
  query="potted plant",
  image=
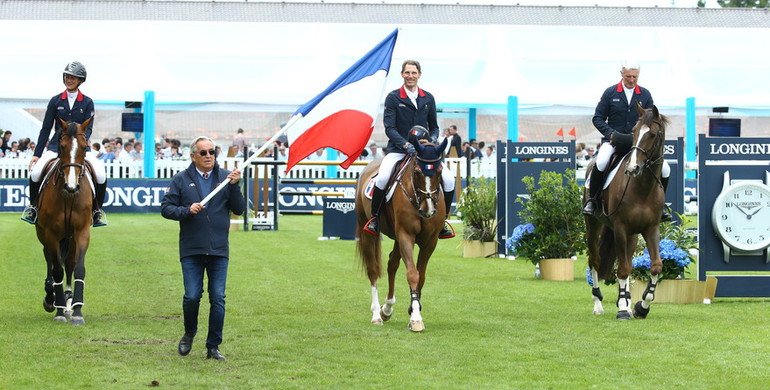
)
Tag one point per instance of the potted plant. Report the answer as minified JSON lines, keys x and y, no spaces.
{"x":477,"y":209}
{"x":678,"y":247}
{"x":553,"y":227}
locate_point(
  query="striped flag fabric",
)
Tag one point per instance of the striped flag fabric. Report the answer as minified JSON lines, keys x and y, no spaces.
{"x":342,"y":116}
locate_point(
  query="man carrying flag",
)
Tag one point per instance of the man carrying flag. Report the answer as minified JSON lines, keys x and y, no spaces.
{"x":405,"y":108}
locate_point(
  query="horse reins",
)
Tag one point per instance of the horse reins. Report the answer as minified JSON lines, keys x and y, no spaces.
{"x":415,"y":201}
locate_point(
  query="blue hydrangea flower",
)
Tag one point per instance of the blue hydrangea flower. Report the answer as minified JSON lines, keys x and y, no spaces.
{"x":514,"y":241}
{"x":642,"y":262}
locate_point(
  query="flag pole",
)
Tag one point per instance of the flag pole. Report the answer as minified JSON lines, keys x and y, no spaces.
{"x":254,"y":156}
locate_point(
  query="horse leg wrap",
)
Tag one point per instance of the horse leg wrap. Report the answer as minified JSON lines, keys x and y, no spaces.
{"x":597,"y":293}
{"x":415,"y":297}
{"x":650,"y":290}
{"x":49,"y":286}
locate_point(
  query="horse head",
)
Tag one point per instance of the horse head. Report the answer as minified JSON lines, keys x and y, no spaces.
{"x":72,"y":154}
{"x":426,"y":176}
{"x":649,"y":137}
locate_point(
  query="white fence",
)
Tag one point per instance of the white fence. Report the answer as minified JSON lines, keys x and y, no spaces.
{"x":17,"y":168}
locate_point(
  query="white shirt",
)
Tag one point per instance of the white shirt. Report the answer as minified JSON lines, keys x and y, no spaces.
{"x":412,"y":95}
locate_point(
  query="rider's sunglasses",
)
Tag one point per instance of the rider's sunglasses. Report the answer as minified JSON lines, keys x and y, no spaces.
{"x":212,"y":152}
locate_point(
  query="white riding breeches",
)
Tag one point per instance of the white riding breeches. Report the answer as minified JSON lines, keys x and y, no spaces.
{"x":390,"y":161}
{"x":605,"y":154}
{"x":48,"y":155}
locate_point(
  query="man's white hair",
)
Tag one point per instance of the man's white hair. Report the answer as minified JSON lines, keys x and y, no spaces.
{"x":194,"y":143}
{"x":630,"y":65}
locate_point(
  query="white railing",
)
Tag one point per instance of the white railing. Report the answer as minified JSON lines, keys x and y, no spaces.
{"x":16,"y":168}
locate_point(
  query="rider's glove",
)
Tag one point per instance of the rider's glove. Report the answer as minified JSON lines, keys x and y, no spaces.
{"x":409,"y":148}
{"x":620,"y":140}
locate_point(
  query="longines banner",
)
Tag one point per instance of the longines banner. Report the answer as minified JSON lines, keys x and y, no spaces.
{"x":145,"y":195}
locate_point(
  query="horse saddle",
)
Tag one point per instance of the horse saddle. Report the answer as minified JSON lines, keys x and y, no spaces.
{"x":395,"y":176}
{"x":613,"y":169}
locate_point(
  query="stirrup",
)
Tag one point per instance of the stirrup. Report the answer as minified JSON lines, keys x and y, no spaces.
{"x":590,"y":207}
{"x":372,"y":227}
{"x":98,"y":218}
{"x":666,"y":215}
{"x":447,"y":231}
{"x":29,"y":215}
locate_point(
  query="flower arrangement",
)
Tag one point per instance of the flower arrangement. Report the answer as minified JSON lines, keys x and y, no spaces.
{"x":477,"y":208}
{"x":554,"y":226}
{"x":675,"y":261}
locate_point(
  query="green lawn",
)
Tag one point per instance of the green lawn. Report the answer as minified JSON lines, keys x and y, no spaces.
{"x":298,"y":317}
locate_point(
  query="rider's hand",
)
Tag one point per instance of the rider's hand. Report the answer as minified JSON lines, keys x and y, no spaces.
{"x":620,"y":140}
{"x":32,"y":161}
{"x":409,"y":148}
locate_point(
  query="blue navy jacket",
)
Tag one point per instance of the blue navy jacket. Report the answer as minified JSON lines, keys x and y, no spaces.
{"x":614,"y":113}
{"x":401,"y":115}
{"x":58,"y":107}
{"x":205,"y":233}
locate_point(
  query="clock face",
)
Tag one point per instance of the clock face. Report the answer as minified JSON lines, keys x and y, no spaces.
{"x":741,"y":216}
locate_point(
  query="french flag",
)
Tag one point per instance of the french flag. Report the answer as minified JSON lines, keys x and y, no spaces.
{"x":342,"y":116}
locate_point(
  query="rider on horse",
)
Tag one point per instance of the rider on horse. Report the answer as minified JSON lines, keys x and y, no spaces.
{"x":406,"y":108}
{"x":615,"y":118}
{"x":71,"y":106}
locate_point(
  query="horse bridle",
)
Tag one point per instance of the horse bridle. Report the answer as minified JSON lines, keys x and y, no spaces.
{"x":82,"y":167}
{"x":416,"y":199}
{"x":647,"y":163}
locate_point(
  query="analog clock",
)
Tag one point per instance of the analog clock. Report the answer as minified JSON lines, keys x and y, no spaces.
{"x":741,"y":216}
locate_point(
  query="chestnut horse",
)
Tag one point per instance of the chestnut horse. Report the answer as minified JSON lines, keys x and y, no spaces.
{"x":414,"y":214}
{"x":64,"y":222}
{"x":632,"y":204}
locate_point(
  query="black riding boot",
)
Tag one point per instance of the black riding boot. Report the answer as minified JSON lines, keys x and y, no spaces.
{"x":101,"y":192}
{"x":31,"y":212}
{"x":666,"y":215}
{"x":373,"y":226}
{"x":594,"y":187}
{"x":446,"y":230}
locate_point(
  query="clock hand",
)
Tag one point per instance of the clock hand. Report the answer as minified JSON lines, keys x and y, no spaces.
{"x":741,"y":209}
{"x":756,"y":211}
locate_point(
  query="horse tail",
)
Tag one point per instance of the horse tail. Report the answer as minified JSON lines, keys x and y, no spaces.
{"x":607,"y":254}
{"x":367,"y":246}
{"x":370,"y":254}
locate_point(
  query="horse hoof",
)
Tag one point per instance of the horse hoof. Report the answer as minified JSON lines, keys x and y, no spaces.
{"x":384,"y":316}
{"x":48,"y":306}
{"x":639,"y":311}
{"x":416,"y":326}
{"x":60,"y":319}
{"x":598,"y":312}
{"x":623,"y":315}
{"x":377,"y":322}
{"x":77,"y":321}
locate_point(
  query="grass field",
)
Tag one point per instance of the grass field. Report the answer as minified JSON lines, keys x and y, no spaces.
{"x":298,"y":317}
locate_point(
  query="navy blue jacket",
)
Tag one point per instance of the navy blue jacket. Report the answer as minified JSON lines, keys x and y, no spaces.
{"x":615,"y":113}
{"x":205,"y":233}
{"x":401,"y":115}
{"x":58,"y":107}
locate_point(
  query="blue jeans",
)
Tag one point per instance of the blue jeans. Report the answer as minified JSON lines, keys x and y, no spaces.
{"x":192,"y":272}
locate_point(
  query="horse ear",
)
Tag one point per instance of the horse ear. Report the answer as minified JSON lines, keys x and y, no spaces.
{"x":86,"y":123}
{"x":442,"y":146}
{"x":420,"y":148}
{"x":63,"y":124}
{"x":655,"y":113}
{"x":639,"y":108}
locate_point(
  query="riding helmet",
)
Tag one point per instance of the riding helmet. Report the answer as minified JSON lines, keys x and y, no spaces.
{"x":416,"y":133}
{"x":76,"y":69}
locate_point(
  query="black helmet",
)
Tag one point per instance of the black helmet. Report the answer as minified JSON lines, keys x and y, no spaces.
{"x":416,"y":133}
{"x":76,"y":69}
